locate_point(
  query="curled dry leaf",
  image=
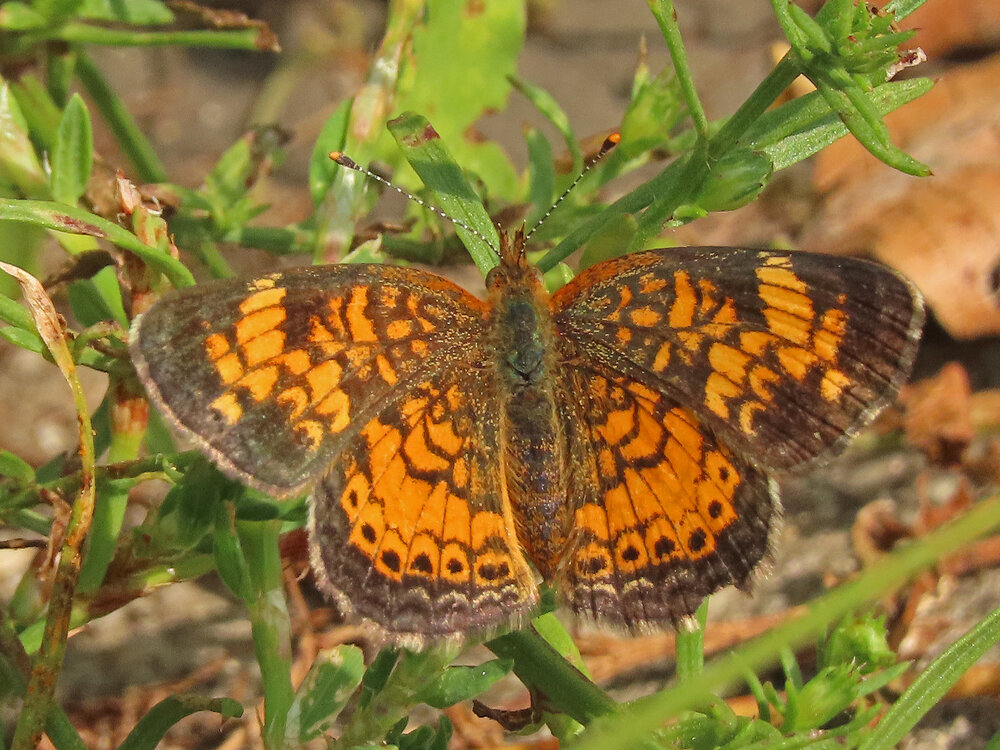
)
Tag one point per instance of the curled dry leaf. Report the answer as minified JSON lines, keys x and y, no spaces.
{"x":876,"y":529}
{"x":943,"y":232}
{"x":938,"y":414}
{"x":48,"y":322}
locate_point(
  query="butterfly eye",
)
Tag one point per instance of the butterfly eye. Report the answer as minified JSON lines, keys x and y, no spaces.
{"x":491,"y":277}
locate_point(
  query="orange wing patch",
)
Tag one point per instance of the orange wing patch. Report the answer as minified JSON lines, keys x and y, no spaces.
{"x":665,"y":505}
{"x":418,"y":503}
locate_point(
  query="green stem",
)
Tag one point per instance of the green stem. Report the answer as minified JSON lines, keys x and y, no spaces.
{"x":540,"y":666}
{"x":691,"y":647}
{"x":81,"y":33}
{"x":130,"y":137}
{"x":666,"y":17}
{"x":270,"y":624}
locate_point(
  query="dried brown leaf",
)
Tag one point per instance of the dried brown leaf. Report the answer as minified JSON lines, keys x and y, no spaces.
{"x":938,"y":414}
{"x":943,"y":231}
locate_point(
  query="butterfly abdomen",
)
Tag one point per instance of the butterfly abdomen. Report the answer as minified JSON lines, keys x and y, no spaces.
{"x":532,"y":434}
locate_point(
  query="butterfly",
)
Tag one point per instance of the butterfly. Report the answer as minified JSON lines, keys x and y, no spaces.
{"x":616,"y":439}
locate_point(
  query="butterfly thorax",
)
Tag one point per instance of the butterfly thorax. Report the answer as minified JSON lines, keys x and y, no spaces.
{"x":531,"y":431}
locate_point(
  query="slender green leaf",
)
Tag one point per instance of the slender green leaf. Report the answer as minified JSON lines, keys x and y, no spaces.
{"x":322,"y":168}
{"x":541,"y":175}
{"x":431,"y":159}
{"x":25,"y":339}
{"x":549,"y":108}
{"x":152,"y":727}
{"x":456,"y":684}
{"x":70,"y":219}
{"x":15,"y":467}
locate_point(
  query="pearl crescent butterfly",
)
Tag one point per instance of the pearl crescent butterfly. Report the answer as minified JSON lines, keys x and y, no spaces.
{"x":615,"y":438}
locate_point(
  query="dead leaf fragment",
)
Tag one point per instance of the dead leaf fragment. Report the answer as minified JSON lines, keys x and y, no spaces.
{"x":938,"y":417}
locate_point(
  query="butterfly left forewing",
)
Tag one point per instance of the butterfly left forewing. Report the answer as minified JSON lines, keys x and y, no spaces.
{"x":785,"y":355}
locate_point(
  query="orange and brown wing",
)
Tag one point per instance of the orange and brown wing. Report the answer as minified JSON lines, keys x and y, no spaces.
{"x":408,"y":527}
{"x":689,"y":373}
{"x":784,"y":355}
{"x":274,"y":377}
{"x":666,"y":514}
{"x":370,"y":380}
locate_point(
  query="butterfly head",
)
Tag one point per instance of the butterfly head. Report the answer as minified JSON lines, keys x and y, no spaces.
{"x":514,"y":268}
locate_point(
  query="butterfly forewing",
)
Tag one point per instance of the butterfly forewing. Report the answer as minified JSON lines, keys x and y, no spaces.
{"x":785,"y":355}
{"x":275,"y":376}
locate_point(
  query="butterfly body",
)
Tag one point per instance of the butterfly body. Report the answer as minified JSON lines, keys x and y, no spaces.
{"x":615,"y":438}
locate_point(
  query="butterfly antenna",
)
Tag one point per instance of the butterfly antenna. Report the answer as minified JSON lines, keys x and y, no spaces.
{"x":609,"y":143}
{"x":345,"y":161}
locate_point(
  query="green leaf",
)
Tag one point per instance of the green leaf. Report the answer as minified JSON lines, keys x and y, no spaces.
{"x":88,"y":305}
{"x":57,"y":11}
{"x":256,"y":506}
{"x":433,"y":162}
{"x":332,"y":679}
{"x":25,"y":339}
{"x":17,"y":16}
{"x":19,"y":164}
{"x":230,"y":560}
{"x":152,"y":727}
{"x":609,"y":241}
{"x":15,"y":467}
{"x":655,"y":109}
{"x":377,"y":675}
{"x":805,"y":126}
{"x":541,"y":175}
{"x":557,"y":277}
{"x":226,"y":185}
{"x":456,"y":684}
{"x":427,"y":738}
{"x":40,"y":111}
{"x":463,"y":55}
{"x":15,"y":314}
{"x":192,"y":506}
{"x":549,"y":108}
{"x":322,"y":168}
{"x":133,"y":12}
{"x":73,"y":158}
